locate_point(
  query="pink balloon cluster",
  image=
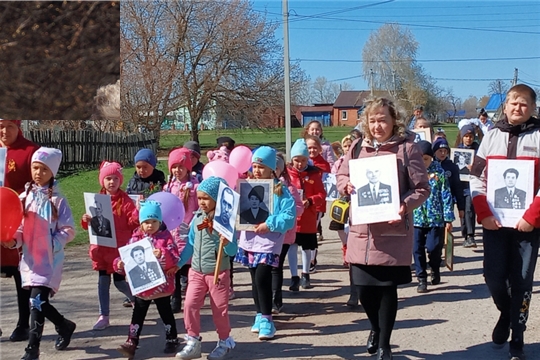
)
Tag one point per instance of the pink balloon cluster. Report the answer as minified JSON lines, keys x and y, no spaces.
{"x":239,"y":163}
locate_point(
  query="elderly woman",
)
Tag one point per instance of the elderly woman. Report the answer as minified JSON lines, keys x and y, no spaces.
{"x":17,"y":174}
{"x":380,"y":254}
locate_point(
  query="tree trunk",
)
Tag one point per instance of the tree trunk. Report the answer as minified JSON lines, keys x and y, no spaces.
{"x":194,"y":134}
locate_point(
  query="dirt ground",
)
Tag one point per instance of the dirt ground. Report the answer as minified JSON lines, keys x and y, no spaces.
{"x":453,"y":320}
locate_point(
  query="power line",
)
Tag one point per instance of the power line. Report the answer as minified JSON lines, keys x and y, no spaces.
{"x":417,"y":60}
{"x":528,"y":83}
{"x":440,"y":79}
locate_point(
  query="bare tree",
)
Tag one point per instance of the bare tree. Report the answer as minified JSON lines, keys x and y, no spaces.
{"x":483,"y":101}
{"x":470,"y":105}
{"x":326,"y":92}
{"x":453,"y":104}
{"x":498,"y":87}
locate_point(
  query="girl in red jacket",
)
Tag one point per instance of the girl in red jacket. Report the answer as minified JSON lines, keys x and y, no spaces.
{"x":126,"y":219}
{"x":307,"y":179}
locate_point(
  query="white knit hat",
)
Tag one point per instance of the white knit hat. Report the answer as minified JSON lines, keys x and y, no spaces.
{"x":50,"y":157}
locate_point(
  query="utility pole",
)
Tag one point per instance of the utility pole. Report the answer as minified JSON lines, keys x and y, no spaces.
{"x":514,"y":81}
{"x":371,"y":80}
{"x":287,"y":80}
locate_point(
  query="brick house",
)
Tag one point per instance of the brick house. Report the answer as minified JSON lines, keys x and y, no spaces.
{"x":348,"y":106}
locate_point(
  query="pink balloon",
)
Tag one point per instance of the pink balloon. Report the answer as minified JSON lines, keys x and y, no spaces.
{"x":240,"y":158}
{"x":172,"y":208}
{"x":223,"y":170}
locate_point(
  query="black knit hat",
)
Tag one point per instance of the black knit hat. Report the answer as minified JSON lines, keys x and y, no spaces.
{"x":425,"y":147}
{"x":225,"y":141}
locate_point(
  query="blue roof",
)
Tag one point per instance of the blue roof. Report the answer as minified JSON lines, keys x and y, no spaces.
{"x":495,"y":102}
{"x":457,"y":113}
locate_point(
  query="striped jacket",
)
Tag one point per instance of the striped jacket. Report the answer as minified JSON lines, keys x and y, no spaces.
{"x":520,"y":142}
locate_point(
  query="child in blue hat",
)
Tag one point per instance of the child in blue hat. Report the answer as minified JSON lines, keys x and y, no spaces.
{"x":146,"y":177}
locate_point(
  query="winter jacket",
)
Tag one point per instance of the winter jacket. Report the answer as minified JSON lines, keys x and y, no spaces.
{"x":290,"y":236}
{"x":328,"y":153}
{"x":169,"y":258}
{"x":383,"y":243}
{"x":138,"y":185}
{"x":17,"y":174}
{"x":43,"y":239}
{"x":337,"y":165}
{"x":197,"y":171}
{"x":451,"y":171}
{"x":439,"y":206}
{"x":310,"y":182}
{"x":505,"y":141}
{"x":126,"y":219}
{"x":322,"y":164}
{"x":202,"y":248}
{"x":279,"y":222}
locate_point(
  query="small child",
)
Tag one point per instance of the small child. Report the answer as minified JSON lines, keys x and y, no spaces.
{"x":197,"y":165}
{"x":146,"y":176}
{"x":259,"y":250}
{"x":202,"y":248}
{"x":184,"y":185}
{"x":430,"y":221}
{"x":308,"y":179}
{"x":46,"y":228}
{"x":166,"y":252}
{"x":126,"y":219}
{"x":315,"y":128}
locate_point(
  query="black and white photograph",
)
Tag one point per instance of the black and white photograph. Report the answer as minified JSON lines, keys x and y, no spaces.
{"x":377,"y":191}
{"x":330,"y":185}
{"x":256,"y":202}
{"x":422,"y":134}
{"x":101,"y":227}
{"x":226,"y":210}
{"x":510,"y":189}
{"x":141,"y":266}
{"x":463,"y":158}
{"x":3,"y":155}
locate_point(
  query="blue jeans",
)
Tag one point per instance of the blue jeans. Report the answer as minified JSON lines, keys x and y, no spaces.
{"x":432,"y":240}
{"x":509,"y":262}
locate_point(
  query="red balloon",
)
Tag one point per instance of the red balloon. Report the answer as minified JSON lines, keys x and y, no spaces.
{"x":11,"y":213}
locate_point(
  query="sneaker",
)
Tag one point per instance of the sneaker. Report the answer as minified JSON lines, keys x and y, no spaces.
{"x":231,"y":294}
{"x":422,"y":286}
{"x":306,"y":282}
{"x":127,"y":303}
{"x":501,"y":331}
{"x":20,"y":334}
{"x":276,"y":309}
{"x":31,"y":353}
{"x":256,"y":324}
{"x":102,"y":323}
{"x":222,"y":348}
{"x":65,"y":331}
{"x":267,"y":330}
{"x":295,"y":283}
{"x":469,"y":242}
{"x":171,"y":345}
{"x":192,"y":350}
{"x":176,"y":304}
{"x":128,"y":349}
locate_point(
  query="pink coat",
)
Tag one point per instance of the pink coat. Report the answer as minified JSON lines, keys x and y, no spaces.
{"x":290,"y":235}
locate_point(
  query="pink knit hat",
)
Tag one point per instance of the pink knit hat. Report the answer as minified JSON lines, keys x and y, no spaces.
{"x":180,"y":156}
{"x":110,"y":168}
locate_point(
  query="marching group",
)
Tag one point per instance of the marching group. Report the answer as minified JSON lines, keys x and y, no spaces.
{"x":378,"y":255}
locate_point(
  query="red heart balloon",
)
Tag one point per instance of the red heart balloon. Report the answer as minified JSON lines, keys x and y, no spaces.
{"x":11,"y":213}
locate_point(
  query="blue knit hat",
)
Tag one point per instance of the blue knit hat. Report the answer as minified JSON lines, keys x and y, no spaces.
{"x":150,"y":210}
{"x":299,"y":148}
{"x":210,"y":186}
{"x":440,"y":143}
{"x":146,"y":155}
{"x":467,"y":129}
{"x":266,"y":156}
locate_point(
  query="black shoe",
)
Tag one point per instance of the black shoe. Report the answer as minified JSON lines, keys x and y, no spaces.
{"x":516,"y":349}
{"x":353,"y":298}
{"x":65,"y":331}
{"x":19,"y":334}
{"x":305,"y":282}
{"x":31,"y":353}
{"x":384,"y":354}
{"x":469,"y":242}
{"x":313,"y":267}
{"x":372,"y":342}
{"x":501,"y":332}
{"x":422,"y":286}
{"x":295,"y":283}
{"x":171,"y":345}
{"x":176,"y":304}
{"x":435,"y":277}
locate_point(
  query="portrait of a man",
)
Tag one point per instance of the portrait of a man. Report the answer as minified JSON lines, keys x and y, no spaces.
{"x":254,"y":214}
{"x":226,"y":209}
{"x":510,"y":197}
{"x":374,"y":192}
{"x":145,"y":272}
{"x":100,"y":225}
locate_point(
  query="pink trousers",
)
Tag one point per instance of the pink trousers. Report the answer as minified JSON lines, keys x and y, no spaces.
{"x":199,"y":286}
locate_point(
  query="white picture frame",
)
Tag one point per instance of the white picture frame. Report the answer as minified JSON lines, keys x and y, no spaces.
{"x":247,"y":219}
{"x":422,"y":134}
{"x":330,"y":186}
{"x":136,"y":198}
{"x":509,"y":207}
{"x":141,"y":278}
{"x":463,"y":158}
{"x":227,"y":204}
{"x":101,"y":229}
{"x":382,"y":204}
{"x":3,"y":160}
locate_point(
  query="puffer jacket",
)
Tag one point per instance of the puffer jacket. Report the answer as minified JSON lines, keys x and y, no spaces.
{"x":382,"y":243}
{"x":126,"y":219}
{"x":138,"y":185}
{"x":311,"y":183}
{"x":43,"y":239}
{"x":290,"y":236}
{"x":162,"y":240}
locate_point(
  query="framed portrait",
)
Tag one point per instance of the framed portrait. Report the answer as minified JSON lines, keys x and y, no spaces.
{"x":463,"y":158}
{"x":136,"y":198}
{"x":227,"y":204}
{"x":422,"y":134}
{"x":510,"y":189}
{"x":330,"y":185}
{"x":101,"y":227}
{"x":3,"y":158}
{"x":256,"y":202}
{"x":377,"y":190}
{"x":141,"y":266}
{"x":449,"y":250}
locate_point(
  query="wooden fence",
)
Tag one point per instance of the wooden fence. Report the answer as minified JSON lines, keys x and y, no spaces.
{"x":84,"y":149}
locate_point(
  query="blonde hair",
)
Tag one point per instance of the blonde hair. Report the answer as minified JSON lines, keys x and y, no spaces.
{"x":347,"y":138}
{"x":314,"y":138}
{"x":373,"y":103}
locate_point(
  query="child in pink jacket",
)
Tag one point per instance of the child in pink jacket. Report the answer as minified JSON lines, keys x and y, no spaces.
{"x":166,"y":252}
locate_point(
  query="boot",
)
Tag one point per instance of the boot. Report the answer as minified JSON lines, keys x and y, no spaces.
{"x":306,"y":283}
{"x":516,"y":346}
{"x":435,"y":276}
{"x":277,"y":303}
{"x":344,"y":250}
{"x":19,"y":334}
{"x":31,"y":353}
{"x":295,"y":283}
{"x":353,"y":298}
{"x":384,"y":354}
{"x":372,"y":342}
{"x":501,"y":332}
{"x":65,"y":331}
{"x":128,"y":348}
{"x":422,"y":286}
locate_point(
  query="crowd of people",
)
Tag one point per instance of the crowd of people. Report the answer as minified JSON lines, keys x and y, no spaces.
{"x":378,"y":255}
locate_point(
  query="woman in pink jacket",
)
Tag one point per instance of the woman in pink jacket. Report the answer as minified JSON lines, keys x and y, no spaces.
{"x":290,"y":236}
{"x":380,"y":253}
